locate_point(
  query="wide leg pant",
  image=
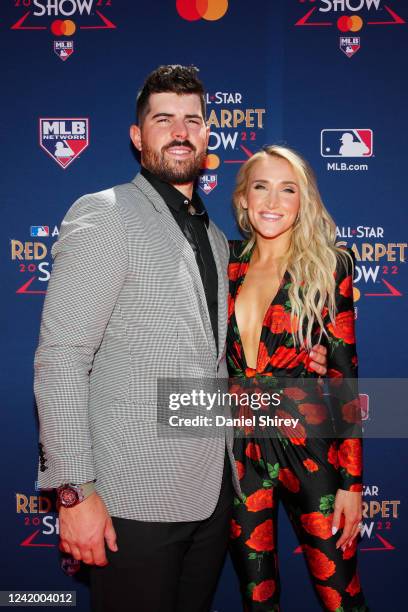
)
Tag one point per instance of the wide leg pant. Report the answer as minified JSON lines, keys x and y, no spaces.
{"x":306,"y":482}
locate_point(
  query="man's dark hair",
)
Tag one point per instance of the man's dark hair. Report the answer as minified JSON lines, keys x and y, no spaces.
{"x":172,"y":78}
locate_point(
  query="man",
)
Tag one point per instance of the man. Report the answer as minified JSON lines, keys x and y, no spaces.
{"x":138,"y":292}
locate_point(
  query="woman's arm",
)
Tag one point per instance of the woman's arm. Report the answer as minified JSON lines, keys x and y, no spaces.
{"x":342,"y":375}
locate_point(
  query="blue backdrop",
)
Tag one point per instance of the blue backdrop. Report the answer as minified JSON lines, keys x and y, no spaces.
{"x":303,"y":73}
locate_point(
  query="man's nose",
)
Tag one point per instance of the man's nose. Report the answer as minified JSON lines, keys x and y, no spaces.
{"x":179,"y":130}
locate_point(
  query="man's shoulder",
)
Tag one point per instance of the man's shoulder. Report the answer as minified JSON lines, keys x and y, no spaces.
{"x":109,"y":200}
{"x":219,"y":237}
{"x":216,"y":230}
{"x":112,"y":195}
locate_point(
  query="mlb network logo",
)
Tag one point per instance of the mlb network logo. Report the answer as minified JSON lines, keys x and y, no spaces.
{"x":207,"y":182}
{"x":349,"y":45}
{"x":64,"y":139}
{"x":347,"y":142}
{"x":63,"y":48}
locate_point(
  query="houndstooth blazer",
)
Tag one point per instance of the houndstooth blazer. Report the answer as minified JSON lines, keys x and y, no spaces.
{"x":125,"y":305}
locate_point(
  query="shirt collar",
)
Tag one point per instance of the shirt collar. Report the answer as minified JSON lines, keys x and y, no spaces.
{"x":174,"y":198}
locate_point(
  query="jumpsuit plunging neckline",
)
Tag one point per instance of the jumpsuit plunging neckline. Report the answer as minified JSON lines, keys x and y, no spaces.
{"x":272,"y":303}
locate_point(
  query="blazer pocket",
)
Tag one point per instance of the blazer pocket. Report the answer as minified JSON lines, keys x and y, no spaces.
{"x":133,"y":410}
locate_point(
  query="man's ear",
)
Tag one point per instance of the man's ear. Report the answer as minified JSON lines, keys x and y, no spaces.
{"x":207,"y":129}
{"x":136,"y":136}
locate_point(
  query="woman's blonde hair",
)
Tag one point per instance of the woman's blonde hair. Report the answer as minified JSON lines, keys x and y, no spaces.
{"x":312,"y":256}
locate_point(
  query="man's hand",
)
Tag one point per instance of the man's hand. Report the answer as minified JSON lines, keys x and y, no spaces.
{"x":318,"y":359}
{"x":348,"y":503}
{"x":84,"y":529}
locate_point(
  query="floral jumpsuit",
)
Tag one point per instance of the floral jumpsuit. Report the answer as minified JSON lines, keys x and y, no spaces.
{"x":299,"y":468}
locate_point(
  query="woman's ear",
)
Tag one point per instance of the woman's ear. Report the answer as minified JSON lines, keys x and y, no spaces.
{"x":243,"y":204}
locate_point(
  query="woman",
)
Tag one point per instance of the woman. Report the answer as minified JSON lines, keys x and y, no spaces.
{"x":290,"y":287}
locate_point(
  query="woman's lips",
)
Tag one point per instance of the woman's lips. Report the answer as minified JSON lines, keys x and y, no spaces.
{"x":267,"y":216}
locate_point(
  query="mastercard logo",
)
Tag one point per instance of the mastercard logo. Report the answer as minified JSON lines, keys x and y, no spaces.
{"x":192,"y":10}
{"x":349,"y":24}
{"x":61,"y":27}
{"x":211,"y":162}
{"x":356,"y":294}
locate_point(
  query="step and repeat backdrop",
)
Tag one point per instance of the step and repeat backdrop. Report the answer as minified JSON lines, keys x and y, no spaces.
{"x":326,"y":77}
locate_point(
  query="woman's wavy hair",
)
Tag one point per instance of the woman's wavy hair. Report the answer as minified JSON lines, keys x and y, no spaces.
{"x":312,"y":256}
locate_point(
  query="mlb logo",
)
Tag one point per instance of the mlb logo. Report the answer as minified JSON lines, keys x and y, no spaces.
{"x":70,"y":566}
{"x":63,"y":48}
{"x":39,"y":230}
{"x":347,"y":142}
{"x":364,"y":406}
{"x":207,"y":182}
{"x":64,"y":139}
{"x":349,"y":45}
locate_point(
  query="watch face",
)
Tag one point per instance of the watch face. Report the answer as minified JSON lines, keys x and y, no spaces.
{"x":68,"y":497}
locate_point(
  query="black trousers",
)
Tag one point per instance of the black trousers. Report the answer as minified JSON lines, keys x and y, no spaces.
{"x":165,"y":567}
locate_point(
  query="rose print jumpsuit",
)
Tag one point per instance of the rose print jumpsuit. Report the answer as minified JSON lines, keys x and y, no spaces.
{"x":298,"y":468}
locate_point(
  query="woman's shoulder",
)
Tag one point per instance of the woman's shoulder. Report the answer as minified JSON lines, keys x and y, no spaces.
{"x":236,"y":247}
{"x":346,"y":262}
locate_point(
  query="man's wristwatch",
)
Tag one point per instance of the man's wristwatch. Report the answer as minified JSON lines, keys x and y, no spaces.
{"x":69,"y":495}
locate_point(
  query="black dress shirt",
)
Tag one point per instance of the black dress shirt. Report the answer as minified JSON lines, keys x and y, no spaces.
{"x":194,"y":227}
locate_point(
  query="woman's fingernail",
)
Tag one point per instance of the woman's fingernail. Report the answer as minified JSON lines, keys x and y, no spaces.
{"x":334,"y":530}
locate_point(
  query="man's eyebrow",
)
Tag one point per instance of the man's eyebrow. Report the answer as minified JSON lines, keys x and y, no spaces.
{"x":162,"y":115}
{"x":172,"y":115}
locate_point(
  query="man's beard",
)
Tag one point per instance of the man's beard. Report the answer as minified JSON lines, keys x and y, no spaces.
{"x":173,"y":171}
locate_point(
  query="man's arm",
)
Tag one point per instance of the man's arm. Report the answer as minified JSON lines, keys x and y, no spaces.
{"x":90,"y":264}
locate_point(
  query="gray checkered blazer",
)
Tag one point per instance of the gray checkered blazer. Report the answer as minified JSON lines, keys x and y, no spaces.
{"x":126,"y":305}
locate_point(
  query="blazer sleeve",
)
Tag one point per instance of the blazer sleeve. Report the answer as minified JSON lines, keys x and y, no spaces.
{"x":89,"y":268}
{"x":343,"y":379}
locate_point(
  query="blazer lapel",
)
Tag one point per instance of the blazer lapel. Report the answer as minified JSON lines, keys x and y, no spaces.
{"x":171,"y":228}
{"x":222,"y":294}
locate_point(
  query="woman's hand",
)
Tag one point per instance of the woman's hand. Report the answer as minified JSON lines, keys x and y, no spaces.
{"x":318,"y":359}
{"x":348,"y":503}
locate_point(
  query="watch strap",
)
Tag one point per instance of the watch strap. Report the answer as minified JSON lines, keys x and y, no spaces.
{"x":86,"y":489}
